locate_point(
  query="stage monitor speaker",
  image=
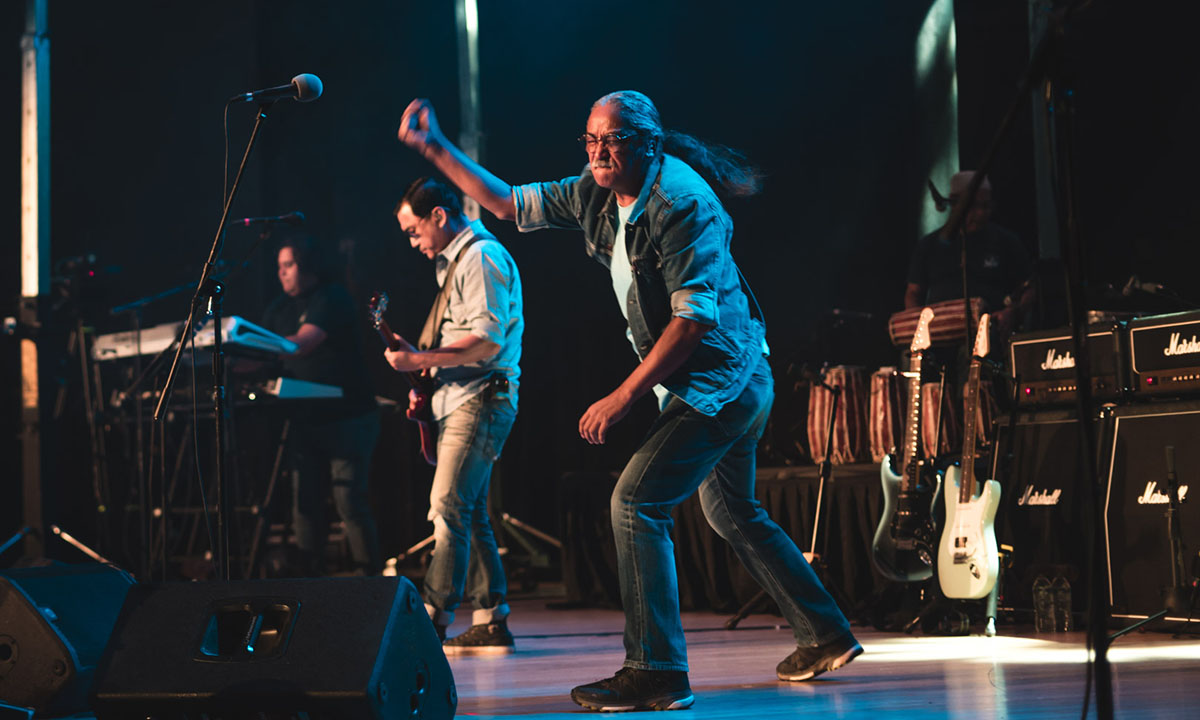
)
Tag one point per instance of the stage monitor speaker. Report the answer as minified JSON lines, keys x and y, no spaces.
{"x":323,"y":648}
{"x":1136,"y":540}
{"x":1041,"y":514}
{"x":54,"y":623}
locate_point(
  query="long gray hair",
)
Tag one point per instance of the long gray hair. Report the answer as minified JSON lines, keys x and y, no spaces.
{"x":724,"y":168}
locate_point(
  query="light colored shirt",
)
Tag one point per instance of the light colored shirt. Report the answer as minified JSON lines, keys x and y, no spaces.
{"x":485,"y":301}
{"x":622,"y":280}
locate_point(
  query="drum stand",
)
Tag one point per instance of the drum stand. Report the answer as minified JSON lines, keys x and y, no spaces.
{"x":824,"y":475}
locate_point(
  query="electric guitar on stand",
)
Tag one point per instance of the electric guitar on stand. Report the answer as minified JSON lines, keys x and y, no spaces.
{"x":904,"y":541}
{"x":968,"y":561}
{"x":418,"y":410}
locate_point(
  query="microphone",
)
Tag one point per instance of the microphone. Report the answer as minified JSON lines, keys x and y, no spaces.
{"x":292,"y":218}
{"x":304,"y":88}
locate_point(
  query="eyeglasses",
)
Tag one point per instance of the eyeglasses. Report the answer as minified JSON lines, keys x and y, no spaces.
{"x":612,"y":141}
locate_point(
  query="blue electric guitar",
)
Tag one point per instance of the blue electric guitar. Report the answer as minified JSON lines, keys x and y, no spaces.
{"x":904,"y":541}
{"x":968,"y":562}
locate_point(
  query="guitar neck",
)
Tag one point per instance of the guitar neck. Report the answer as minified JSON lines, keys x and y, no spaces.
{"x":912,"y":440}
{"x":970,"y":431}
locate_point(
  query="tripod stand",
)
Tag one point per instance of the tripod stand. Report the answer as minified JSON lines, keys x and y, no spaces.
{"x":824,"y":475}
{"x":1177,"y":597}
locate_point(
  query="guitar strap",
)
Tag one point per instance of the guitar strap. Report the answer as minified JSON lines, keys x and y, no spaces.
{"x":437,"y":314}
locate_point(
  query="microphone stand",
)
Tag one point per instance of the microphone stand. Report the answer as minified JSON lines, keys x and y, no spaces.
{"x":1042,"y":69}
{"x":212,"y":289}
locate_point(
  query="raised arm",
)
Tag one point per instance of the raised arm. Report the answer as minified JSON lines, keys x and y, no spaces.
{"x":420,"y":131}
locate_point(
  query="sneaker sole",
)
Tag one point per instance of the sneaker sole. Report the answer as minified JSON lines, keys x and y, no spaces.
{"x":485,"y":650}
{"x":839,"y":661}
{"x":666,"y":703}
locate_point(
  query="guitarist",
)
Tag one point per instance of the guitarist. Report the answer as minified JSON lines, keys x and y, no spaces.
{"x":472,"y":346}
{"x":330,"y":445}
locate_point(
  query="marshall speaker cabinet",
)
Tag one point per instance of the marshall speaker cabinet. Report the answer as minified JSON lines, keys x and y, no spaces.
{"x":1041,"y":512}
{"x":1044,"y":363}
{"x":329,"y":648}
{"x":1165,"y":355}
{"x":1136,"y":539}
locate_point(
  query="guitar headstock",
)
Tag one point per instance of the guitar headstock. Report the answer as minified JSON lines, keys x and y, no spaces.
{"x":920,"y":339}
{"x":377,"y":306}
{"x":983,"y":343}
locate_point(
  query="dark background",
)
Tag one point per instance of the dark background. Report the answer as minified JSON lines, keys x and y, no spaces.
{"x":822,"y":96}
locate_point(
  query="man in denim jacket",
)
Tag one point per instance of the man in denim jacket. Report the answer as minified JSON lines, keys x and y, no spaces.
{"x":649,"y":212}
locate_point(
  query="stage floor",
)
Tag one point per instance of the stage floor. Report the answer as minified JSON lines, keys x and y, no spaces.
{"x":1016,"y":674}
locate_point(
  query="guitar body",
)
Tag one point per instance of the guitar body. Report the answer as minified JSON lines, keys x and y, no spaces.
{"x":421,"y":384}
{"x":904,"y":540}
{"x":420,"y":412}
{"x":968,"y":560}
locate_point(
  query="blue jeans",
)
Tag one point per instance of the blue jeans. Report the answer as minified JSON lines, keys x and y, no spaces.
{"x":336,"y":455}
{"x":466,"y":562}
{"x":685,"y":450}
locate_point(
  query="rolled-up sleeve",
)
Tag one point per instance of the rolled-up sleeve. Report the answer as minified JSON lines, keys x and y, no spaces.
{"x":547,"y":205}
{"x":694,"y":234}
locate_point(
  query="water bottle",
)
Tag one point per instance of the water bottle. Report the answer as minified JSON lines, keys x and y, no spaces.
{"x":1060,"y":589}
{"x":1043,"y":605}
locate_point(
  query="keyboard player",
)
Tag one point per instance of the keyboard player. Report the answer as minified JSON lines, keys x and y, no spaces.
{"x":330,"y":444}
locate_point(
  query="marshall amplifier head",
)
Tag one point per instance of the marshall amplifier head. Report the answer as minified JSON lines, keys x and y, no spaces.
{"x":1044,"y":363}
{"x":1165,"y":354}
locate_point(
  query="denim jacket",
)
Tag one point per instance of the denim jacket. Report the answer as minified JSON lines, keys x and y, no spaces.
{"x":678,"y":241}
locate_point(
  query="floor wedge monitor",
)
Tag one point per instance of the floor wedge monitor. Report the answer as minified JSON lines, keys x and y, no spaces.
{"x":322,"y":648}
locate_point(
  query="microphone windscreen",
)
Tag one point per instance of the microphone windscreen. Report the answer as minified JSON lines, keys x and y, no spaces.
{"x":308,"y":87}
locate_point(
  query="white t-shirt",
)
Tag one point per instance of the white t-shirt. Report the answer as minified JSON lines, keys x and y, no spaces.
{"x":622,"y":278}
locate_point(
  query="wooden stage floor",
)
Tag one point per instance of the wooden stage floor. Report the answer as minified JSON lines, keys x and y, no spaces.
{"x":1013,"y":675}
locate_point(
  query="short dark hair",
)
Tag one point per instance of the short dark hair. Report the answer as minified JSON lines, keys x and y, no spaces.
{"x":425,"y":194}
{"x":310,"y":256}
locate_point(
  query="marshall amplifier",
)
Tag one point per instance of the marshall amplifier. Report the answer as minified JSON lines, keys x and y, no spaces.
{"x":1165,"y":354}
{"x":1138,"y":552}
{"x":1044,"y":363}
{"x":1041,"y":508}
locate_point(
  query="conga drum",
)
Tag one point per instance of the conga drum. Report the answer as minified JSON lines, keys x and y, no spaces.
{"x":951,"y":441}
{"x":850,"y":423}
{"x":885,"y":421}
{"x":949,"y":325}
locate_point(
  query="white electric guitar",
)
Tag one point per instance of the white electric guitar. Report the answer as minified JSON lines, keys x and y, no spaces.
{"x":968,"y":562}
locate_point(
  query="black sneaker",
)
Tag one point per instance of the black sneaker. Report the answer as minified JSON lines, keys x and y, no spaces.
{"x":632,"y":689}
{"x":808,"y":662}
{"x":487,"y":639}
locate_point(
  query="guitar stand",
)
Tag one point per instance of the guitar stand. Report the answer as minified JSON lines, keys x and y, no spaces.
{"x":1176,"y":597}
{"x":825,"y":476}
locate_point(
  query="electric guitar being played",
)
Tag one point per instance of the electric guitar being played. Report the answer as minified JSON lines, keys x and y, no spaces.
{"x":419,"y":410}
{"x":904,"y":541}
{"x":968,"y":562}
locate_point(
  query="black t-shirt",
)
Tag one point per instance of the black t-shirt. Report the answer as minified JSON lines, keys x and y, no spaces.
{"x":997,"y":264}
{"x":338,"y":360}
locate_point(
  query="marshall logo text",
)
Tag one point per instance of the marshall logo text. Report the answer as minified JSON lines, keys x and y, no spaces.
{"x":1040,"y":497}
{"x":1054,"y":361}
{"x":1179,"y":346}
{"x":1152,"y":496}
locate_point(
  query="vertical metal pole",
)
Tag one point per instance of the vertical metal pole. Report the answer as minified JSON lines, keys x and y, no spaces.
{"x":470,"y":137}
{"x":35,"y":252}
{"x":1049,"y":244}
